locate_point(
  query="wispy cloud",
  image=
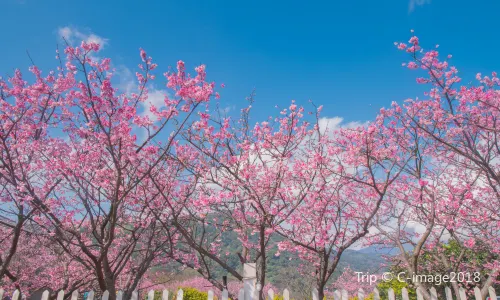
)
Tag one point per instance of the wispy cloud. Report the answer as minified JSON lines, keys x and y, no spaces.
{"x":124,"y":79}
{"x":228,"y":109}
{"x":127,"y":83}
{"x":156,"y":98}
{"x":74,"y":35}
{"x":414,"y":3}
{"x":331,"y":124}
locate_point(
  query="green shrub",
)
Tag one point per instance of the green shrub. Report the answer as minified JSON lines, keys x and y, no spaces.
{"x":397,"y":286}
{"x":193,"y":294}
{"x":367,"y":297}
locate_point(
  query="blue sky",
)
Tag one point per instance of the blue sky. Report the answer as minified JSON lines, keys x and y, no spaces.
{"x":336,"y":53}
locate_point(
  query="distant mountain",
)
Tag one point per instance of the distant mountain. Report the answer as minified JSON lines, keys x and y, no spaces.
{"x":363,"y":261}
{"x":287,"y":269}
{"x":384,"y":251}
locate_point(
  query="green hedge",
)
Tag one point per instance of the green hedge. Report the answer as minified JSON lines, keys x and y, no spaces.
{"x":193,"y":294}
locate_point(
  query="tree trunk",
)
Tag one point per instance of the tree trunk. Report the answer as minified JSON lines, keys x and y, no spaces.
{"x":112,"y":293}
{"x":487,"y":284}
{"x":261,"y":264}
{"x":110,"y":287}
{"x":321,"y":291}
{"x":261,"y":276}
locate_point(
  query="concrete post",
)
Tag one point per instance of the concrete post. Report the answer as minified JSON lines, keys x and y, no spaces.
{"x":250,"y":281}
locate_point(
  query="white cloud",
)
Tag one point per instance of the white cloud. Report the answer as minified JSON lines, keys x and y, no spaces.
{"x":126,"y":81}
{"x":155,"y":98}
{"x":416,"y":226}
{"x":331,"y":124}
{"x":413,"y":3}
{"x":65,"y":32}
{"x":227,"y":109}
{"x":73,"y":35}
{"x":92,"y":38}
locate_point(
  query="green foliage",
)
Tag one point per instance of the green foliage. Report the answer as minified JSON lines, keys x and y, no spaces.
{"x":193,"y":294}
{"x":470,"y":259}
{"x":480,"y":255}
{"x":397,"y":286}
{"x":367,"y":297}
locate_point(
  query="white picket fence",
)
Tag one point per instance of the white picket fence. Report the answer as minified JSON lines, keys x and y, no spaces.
{"x":337,"y":295}
{"x":343,"y":295}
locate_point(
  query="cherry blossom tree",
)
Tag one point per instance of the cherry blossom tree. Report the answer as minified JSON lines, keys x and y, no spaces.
{"x":116,"y":186}
{"x":27,"y":111}
{"x":349,"y":173}
{"x":417,"y":214}
{"x":455,"y":173}
{"x":40,"y":264}
{"x":71,"y":151}
{"x":243,"y":175}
